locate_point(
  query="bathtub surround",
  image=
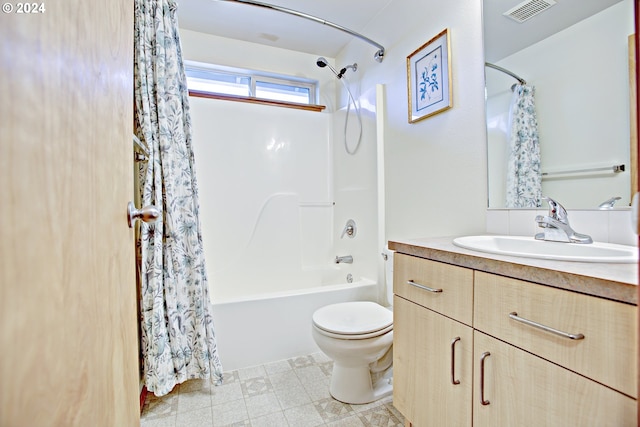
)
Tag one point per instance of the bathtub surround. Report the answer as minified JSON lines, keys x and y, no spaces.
{"x":266,"y":197}
{"x":177,"y":336}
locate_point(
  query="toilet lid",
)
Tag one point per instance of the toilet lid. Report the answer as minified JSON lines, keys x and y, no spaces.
{"x":353,"y":318}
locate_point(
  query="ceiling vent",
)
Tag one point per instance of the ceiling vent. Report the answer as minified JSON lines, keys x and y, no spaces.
{"x":528,"y":9}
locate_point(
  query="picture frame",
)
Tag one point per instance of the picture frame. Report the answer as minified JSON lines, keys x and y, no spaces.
{"x":429,"y":78}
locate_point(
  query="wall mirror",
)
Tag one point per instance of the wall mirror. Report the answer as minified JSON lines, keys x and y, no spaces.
{"x":576,"y":55}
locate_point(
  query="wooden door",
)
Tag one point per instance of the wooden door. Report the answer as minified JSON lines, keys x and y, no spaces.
{"x":67,"y":291}
{"x":423,"y":388}
{"x":524,"y":390}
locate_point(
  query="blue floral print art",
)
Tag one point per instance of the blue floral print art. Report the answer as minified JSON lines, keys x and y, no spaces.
{"x":429,"y":81}
{"x":429,"y":78}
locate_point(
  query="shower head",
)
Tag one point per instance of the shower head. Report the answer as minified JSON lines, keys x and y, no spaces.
{"x":322,"y":62}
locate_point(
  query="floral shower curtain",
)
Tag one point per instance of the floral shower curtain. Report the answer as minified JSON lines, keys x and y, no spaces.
{"x":178,"y":341}
{"x":524,"y":175}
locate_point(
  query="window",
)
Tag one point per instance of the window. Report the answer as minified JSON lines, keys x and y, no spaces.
{"x":219,"y":80}
{"x":216,"y":82}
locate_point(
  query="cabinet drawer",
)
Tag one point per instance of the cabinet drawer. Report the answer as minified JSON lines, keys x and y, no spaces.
{"x":451,"y":287}
{"x":607,"y":353}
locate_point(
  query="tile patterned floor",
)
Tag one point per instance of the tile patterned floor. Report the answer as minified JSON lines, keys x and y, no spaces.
{"x":292,"y":392}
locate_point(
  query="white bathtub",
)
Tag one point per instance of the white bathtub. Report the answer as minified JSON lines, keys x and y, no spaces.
{"x":271,"y":327}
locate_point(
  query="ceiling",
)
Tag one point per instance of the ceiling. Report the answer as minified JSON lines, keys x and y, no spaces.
{"x":232,"y":19}
{"x":269,"y":27}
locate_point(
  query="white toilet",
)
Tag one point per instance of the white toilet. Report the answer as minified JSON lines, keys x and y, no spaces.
{"x":358,"y":337}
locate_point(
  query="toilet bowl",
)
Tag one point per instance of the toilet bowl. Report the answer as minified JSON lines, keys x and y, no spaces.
{"x":358,"y":337}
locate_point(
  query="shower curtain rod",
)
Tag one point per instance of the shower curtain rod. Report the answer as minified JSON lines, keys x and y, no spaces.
{"x":378,"y":56}
{"x":504,"y":70}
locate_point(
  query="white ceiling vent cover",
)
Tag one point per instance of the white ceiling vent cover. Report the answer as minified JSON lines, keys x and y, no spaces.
{"x":528,"y":9}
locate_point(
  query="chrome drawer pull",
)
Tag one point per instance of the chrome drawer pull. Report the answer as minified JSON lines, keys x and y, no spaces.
{"x":515,"y":317}
{"x":454,"y":381}
{"x":482,"y":399}
{"x":426,"y":288}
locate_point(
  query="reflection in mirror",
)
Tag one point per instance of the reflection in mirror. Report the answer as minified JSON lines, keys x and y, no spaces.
{"x":579,"y":71}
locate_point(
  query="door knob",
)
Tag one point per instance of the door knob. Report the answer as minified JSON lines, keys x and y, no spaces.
{"x":147,"y":214}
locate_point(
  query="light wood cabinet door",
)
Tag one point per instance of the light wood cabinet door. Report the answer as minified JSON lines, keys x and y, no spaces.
{"x":525,"y":390}
{"x":424,"y":390}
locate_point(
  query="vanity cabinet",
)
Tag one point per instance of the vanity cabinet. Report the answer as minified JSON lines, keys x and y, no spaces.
{"x":525,"y":354}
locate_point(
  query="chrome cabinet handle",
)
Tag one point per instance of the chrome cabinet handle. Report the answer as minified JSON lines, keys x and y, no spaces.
{"x":513,"y":315}
{"x":426,"y":288}
{"x":483,"y":401}
{"x":454,"y":381}
{"x":146,"y":214}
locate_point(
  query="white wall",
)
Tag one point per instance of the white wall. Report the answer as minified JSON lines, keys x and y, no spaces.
{"x":590,"y":128}
{"x":435,"y":170}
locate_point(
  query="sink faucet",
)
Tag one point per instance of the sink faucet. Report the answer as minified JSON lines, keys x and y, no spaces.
{"x":556,"y":225}
{"x":347,"y":259}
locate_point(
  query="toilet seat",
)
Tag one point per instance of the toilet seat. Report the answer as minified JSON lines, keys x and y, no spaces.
{"x":353,"y":320}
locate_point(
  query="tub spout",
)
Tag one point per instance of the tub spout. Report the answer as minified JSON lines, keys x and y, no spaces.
{"x":347,"y":259}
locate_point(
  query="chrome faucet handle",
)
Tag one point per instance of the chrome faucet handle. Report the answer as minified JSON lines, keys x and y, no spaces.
{"x":556,"y":210}
{"x":608,"y":204}
{"x":349,"y":229}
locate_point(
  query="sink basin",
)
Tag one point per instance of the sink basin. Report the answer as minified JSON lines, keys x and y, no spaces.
{"x":529,"y":247}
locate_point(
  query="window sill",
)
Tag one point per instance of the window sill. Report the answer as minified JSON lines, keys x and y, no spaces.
{"x":249,"y":100}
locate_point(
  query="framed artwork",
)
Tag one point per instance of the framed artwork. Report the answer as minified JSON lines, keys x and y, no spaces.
{"x":429,"y":78}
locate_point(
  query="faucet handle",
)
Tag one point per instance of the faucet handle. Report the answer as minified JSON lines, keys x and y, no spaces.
{"x":608,"y":204}
{"x":556,"y":210}
{"x":349,"y":229}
